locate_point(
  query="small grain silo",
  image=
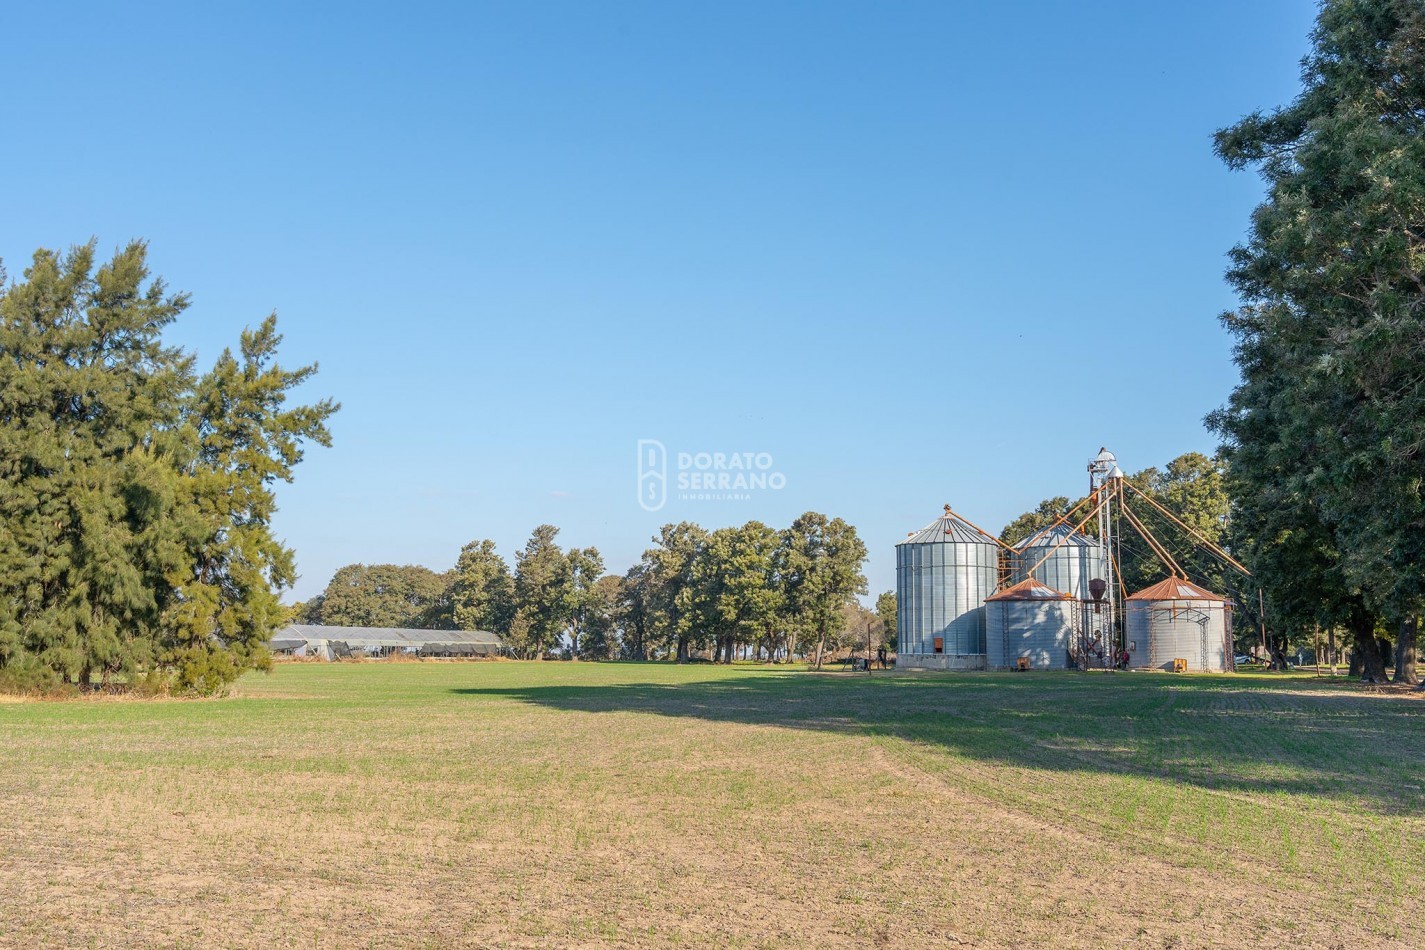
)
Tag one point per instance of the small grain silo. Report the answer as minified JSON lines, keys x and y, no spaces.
{"x":944,"y":572}
{"x":1176,"y":619}
{"x":1032,"y":621}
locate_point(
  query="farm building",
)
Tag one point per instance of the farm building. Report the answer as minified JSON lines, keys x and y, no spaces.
{"x":305,"y":639}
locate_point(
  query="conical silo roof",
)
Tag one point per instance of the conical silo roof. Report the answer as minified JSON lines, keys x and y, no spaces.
{"x":948,"y":529}
{"x":1176,"y":588}
{"x":1029,"y":590}
{"x":1052,"y":536}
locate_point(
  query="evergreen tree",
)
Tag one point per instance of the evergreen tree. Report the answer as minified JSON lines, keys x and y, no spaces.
{"x":603,"y":620}
{"x":1328,"y":419}
{"x":544,"y":594}
{"x":136,"y":495}
{"x":668,"y":587}
{"x":586,"y":601}
{"x":482,"y":593}
{"x":634,"y":592}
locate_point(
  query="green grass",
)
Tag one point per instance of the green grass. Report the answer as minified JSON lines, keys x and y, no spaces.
{"x":530,"y":804}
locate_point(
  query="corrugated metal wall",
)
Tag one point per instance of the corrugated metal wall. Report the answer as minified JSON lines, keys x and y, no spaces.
{"x":1199,"y":631}
{"x":1039,"y":629}
{"x":1068,"y":569}
{"x":940,"y":592}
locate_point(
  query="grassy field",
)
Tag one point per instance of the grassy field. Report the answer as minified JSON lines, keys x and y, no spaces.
{"x":527,"y":804}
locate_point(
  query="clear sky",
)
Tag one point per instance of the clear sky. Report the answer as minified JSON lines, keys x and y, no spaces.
{"x":914,"y":252}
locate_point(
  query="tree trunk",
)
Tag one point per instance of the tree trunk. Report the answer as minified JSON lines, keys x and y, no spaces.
{"x":1368,"y":648}
{"x":1331,"y":648}
{"x":682,"y":649}
{"x":820,"y":649}
{"x":1405,"y":653}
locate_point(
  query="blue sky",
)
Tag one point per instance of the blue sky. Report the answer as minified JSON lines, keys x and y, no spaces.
{"x":915,"y":252}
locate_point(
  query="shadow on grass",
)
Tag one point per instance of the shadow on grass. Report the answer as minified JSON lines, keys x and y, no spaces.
{"x":1233,"y":733}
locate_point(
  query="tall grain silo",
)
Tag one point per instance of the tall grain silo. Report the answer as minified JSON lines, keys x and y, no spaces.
{"x":1066,"y":560}
{"x":1176,"y":619}
{"x":1061,"y":558}
{"x":1029,"y":620}
{"x":944,"y":572}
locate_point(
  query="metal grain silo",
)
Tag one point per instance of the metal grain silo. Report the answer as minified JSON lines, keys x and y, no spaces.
{"x":1061,"y":558}
{"x":1030,"y":620}
{"x":944,"y":572}
{"x":1066,"y":560}
{"x":1177,"y":620}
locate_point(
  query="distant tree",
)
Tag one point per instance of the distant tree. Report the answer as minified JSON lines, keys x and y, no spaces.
{"x":1193,"y":487}
{"x":482,"y":589}
{"x":602,"y":620}
{"x":669,"y":590}
{"x":311,"y":611}
{"x":544,"y":593}
{"x":306,"y":611}
{"x":737,"y":593}
{"x":587,"y":602}
{"x":1329,"y":417}
{"x":823,"y":564}
{"x":521,"y":640}
{"x":860,"y":628}
{"x":136,"y":494}
{"x":1031,"y":522}
{"x":634,"y":595}
{"x":886,"y":611}
{"x":386,"y":595}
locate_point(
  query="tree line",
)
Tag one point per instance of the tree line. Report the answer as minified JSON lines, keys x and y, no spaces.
{"x":749,"y":590}
{"x":136,"y":491}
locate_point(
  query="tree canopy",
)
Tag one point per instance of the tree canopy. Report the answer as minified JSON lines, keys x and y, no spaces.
{"x":386,"y":595}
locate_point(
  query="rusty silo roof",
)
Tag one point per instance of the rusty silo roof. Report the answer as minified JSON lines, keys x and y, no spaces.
{"x":1029,"y":590}
{"x":1176,"y":588}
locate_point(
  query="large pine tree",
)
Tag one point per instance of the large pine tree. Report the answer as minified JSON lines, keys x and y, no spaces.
{"x":136,"y":495}
{"x":1326,"y":433}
